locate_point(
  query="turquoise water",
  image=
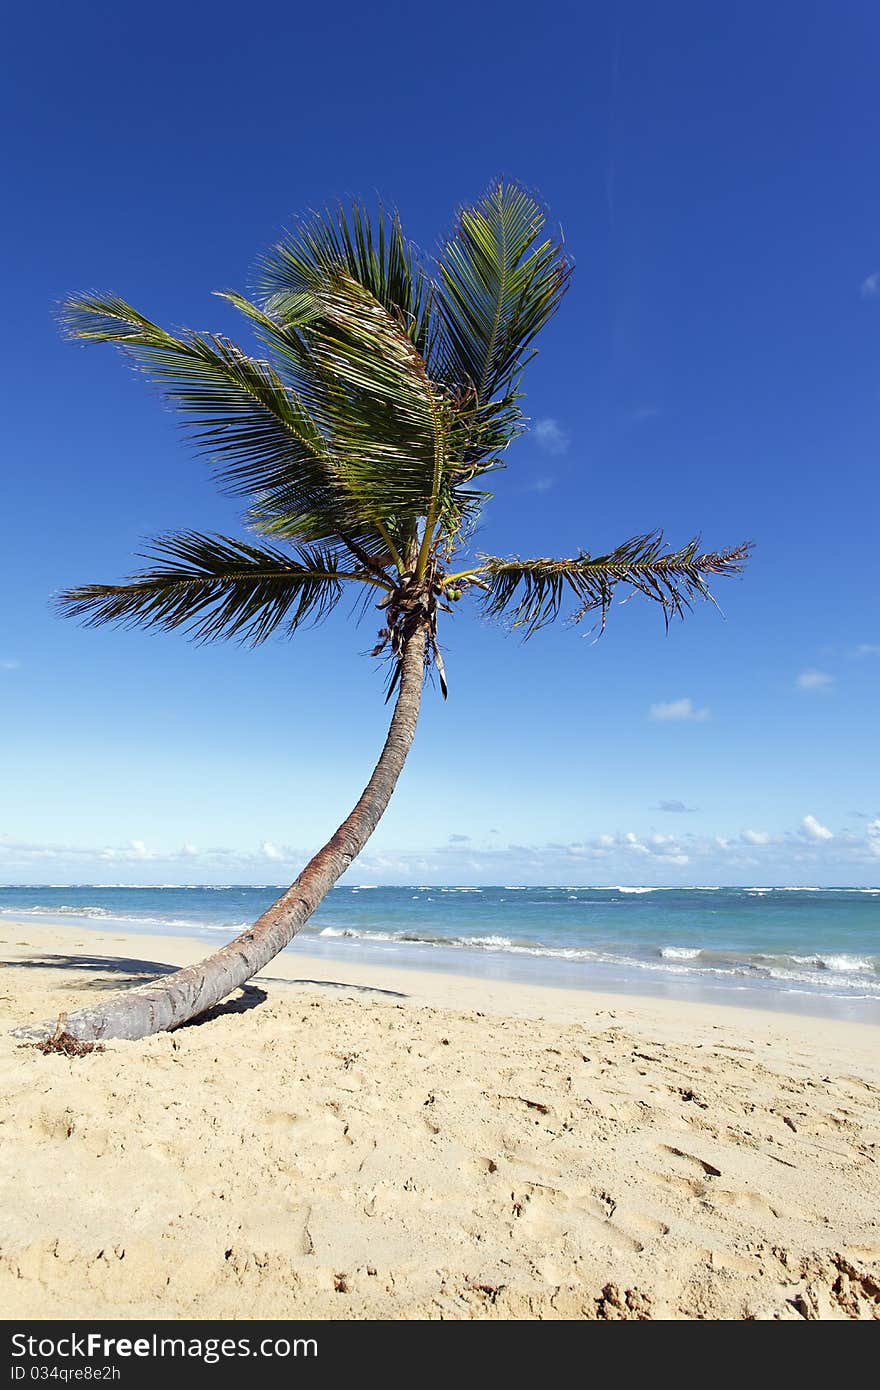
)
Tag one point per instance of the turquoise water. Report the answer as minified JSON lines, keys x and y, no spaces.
{"x":814,"y":949}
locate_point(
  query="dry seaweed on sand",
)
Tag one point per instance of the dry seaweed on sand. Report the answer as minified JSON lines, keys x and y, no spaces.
{"x":64,"y":1042}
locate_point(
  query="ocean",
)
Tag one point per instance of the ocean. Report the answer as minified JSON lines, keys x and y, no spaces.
{"x":815,"y":950}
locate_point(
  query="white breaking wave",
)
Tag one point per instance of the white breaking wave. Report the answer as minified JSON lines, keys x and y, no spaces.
{"x":849,"y":971}
{"x":840,"y":963}
{"x":103,"y":914}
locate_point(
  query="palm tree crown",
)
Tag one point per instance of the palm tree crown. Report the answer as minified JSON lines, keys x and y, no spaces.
{"x":386,"y":391}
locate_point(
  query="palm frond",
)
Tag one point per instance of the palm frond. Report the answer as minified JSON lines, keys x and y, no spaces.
{"x":396,"y":436}
{"x":258,"y":434}
{"x":373,"y":251}
{"x":281,"y":335}
{"x":387,"y":422}
{"x":260,"y":438}
{"x":498,"y":287}
{"x":214,"y":587}
{"x":532,"y":593}
{"x":370,"y":549}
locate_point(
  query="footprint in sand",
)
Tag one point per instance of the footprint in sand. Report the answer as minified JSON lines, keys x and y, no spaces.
{"x":744,"y":1201}
{"x":707,"y":1190}
{"x":548,"y":1214}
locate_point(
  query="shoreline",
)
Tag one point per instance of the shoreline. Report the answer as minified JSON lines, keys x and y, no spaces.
{"x":376,"y":1142}
{"x":296,"y":969}
{"x":489,"y":969}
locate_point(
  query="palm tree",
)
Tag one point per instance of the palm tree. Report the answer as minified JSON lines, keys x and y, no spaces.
{"x":387,"y":392}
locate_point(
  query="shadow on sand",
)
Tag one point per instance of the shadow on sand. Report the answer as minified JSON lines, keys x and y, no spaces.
{"x":340,"y":984}
{"x":125,"y":972}
{"x":136,"y":972}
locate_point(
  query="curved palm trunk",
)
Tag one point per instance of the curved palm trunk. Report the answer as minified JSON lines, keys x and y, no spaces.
{"x":189,"y":992}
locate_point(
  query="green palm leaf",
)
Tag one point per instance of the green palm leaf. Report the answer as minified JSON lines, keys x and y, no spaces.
{"x":388,"y":423}
{"x":532,"y":593}
{"x":388,"y":426}
{"x":261,"y":439}
{"x":498,"y":287}
{"x":214,"y":587}
{"x":259,"y":436}
{"x":372,"y":251}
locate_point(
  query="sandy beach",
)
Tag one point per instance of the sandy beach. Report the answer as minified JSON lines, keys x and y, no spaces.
{"x":364,"y":1142}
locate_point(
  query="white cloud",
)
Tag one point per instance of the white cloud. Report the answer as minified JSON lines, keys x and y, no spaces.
{"x":270,"y":851}
{"x":117,"y":854}
{"x":663,"y":849}
{"x":870,"y":286}
{"x":188,"y":852}
{"x":678,"y":807}
{"x":814,"y":680}
{"x":678,"y":710}
{"x":754,"y":837}
{"x":9,"y":665}
{"x":868,"y":649}
{"x":633,"y":843}
{"x":551,"y":437}
{"x":874,"y":836}
{"x":814,"y":830}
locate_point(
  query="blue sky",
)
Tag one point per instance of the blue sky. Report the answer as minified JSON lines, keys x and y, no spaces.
{"x":715,"y":368}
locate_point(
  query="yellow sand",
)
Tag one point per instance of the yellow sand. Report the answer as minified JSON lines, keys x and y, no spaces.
{"x":457,"y":1149}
